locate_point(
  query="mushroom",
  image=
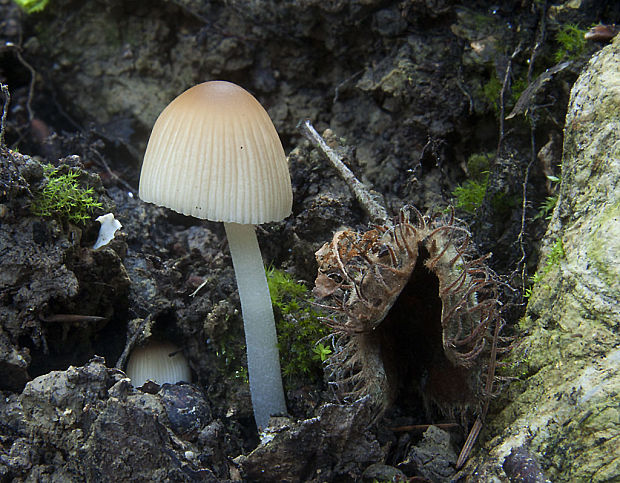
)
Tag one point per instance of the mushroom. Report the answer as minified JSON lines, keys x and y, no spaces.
{"x":160,"y":362}
{"x":215,"y":154}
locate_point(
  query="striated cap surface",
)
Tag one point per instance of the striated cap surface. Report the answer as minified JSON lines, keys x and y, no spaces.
{"x":215,"y":154}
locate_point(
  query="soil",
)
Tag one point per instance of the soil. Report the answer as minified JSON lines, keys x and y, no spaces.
{"x":410,"y":93}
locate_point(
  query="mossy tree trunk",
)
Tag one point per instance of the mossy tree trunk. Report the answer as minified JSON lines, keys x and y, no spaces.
{"x":562,"y":417}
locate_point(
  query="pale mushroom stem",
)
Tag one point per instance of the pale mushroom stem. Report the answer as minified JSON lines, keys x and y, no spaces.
{"x":260,"y":328}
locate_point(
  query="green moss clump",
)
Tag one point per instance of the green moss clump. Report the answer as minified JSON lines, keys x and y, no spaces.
{"x":517,"y":88}
{"x":284,"y":291}
{"x":299,"y":329}
{"x":491,"y":91}
{"x":32,"y":6}
{"x":548,"y":205}
{"x":229,"y":352}
{"x":470,"y":194}
{"x":478,"y":165}
{"x":64,"y":198}
{"x":572,"y":42}
{"x":555,"y":255}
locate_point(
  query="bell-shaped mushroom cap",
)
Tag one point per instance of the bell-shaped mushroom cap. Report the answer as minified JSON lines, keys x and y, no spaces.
{"x":214,"y":153}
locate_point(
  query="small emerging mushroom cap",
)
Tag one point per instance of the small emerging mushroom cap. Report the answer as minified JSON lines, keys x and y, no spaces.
{"x":160,"y":362}
{"x":215,"y":154}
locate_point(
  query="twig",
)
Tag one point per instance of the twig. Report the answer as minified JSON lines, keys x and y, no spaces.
{"x":61,"y":111}
{"x":5,"y":108}
{"x":469,"y":443}
{"x":11,"y":47}
{"x":33,"y":76}
{"x":424,"y":427}
{"x":131,"y":342}
{"x":540,"y":38}
{"x":461,"y":85}
{"x":488,"y":389}
{"x":114,"y":176}
{"x":195,"y":292}
{"x":542,"y":32}
{"x":71,"y":318}
{"x":502,"y":99}
{"x":343,"y":83}
{"x":521,"y":263}
{"x":526,"y":100}
{"x":375,"y":210}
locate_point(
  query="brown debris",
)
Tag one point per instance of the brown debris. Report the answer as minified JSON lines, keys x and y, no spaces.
{"x":415,"y":309}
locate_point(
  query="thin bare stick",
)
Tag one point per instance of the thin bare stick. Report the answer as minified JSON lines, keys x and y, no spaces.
{"x":5,"y":108}
{"x":117,"y":178}
{"x":502,"y":98}
{"x":75,"y":318}
{"x":33,"y":77}
{"x":343,"y":83}
{"x":375,"y":210}
{"x":540,"y":39}
{"x":521,"y":265}
{"x":131,"y":342}
{"x":424,"y":427}
{"x":469,"y":443}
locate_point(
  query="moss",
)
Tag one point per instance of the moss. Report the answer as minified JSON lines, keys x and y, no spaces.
{"x":571,"y":42}
{"x":231,"y":352}
{"x":482,"y":21}
{"x":603,"y":242}
{"x":517,"y":88}
{"x":299,"y":329}
{"x":550,"y":201}
{"x":63,"y":197}
{"x":284,"y":291}
{"x":32,"y":6}
{"x":547,"y":207}
{"x":553,"y":258}
{"x":478,"y":165}
{"x":491,"y":91}
{"x":469,"y":195}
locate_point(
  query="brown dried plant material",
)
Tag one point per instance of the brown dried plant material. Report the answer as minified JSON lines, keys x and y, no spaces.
{"x":418,"y":315}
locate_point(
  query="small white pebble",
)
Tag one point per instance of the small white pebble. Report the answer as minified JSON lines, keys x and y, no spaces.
{"x":109,"y":226}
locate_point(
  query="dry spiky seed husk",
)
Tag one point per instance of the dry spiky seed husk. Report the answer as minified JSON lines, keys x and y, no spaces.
{"x":417,"y":312}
